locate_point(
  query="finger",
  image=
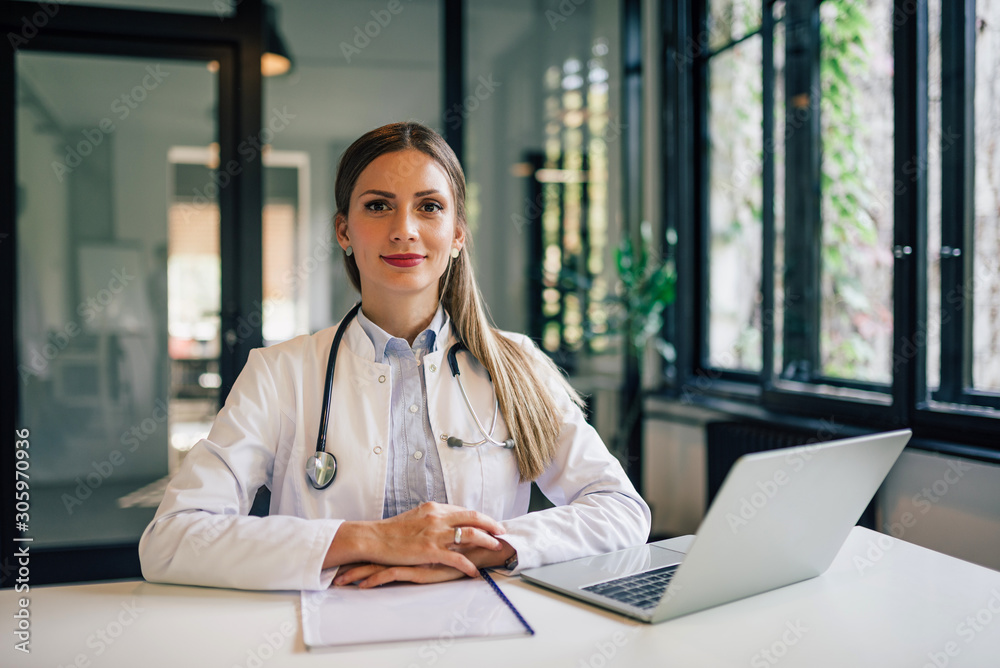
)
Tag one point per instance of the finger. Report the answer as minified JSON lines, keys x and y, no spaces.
{"x":417,"y":574}
{"x":355,"y":573}
{"x":458,"y":561}
{"x":470,"y":518}
{"x":472,"y":537}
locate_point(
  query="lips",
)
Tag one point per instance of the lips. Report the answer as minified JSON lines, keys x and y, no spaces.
{"x":403,"y":259}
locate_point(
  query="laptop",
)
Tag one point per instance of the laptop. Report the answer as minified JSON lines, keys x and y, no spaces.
{"x":779,"y":518}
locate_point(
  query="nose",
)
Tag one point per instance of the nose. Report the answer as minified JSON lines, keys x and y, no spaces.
{"x":404,"y":226}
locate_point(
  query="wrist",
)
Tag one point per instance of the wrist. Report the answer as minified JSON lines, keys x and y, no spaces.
{"x":351,"y":544}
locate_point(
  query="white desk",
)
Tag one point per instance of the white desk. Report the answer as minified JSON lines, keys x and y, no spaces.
{"x":888,"y":606}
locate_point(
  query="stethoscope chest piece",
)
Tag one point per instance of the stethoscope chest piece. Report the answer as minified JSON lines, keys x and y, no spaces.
{"x":321,"y":469}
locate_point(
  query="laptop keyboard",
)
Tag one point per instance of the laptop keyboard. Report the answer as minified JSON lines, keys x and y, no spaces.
{"x":642,"y":590}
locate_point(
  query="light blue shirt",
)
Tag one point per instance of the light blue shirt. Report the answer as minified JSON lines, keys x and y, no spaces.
{"x":413,"y":474}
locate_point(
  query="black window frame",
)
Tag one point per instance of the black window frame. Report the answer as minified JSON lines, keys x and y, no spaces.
{"x":955,"y":413}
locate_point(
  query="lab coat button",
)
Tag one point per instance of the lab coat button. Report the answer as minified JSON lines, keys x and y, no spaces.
{"x":377,"y":450}
{"x":418,"y":454}
{"x":413,"y":408}
{"x":434,"y":368}
{"x":444,"y":437}
{"x":381,"y":379}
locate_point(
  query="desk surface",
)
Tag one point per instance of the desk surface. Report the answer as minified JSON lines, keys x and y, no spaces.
{"x":883,"y":603}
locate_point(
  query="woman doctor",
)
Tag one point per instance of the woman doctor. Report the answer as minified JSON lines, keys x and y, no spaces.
{"x":414,"y":498}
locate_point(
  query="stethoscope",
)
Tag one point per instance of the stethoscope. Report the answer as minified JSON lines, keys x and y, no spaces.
{"x":321,"y":468}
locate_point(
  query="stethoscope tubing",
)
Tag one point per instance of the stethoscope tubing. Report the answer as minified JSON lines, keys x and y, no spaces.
{"x":316,"y":461}
{"x":324,"y":417}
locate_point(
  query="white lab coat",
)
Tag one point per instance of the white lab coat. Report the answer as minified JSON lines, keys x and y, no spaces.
{"x":202,"y":534}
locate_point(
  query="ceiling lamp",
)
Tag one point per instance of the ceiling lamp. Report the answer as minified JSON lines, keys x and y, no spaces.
{"x":275,"y":59}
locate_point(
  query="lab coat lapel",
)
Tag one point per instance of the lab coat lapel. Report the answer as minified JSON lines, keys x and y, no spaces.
{"x":478,"y":478}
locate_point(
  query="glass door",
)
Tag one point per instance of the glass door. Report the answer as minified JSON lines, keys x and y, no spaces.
{"x":117,"y":308}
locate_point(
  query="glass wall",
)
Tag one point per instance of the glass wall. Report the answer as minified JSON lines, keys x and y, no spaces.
{"x":543,"y":145}
{"x":356,"y":66}
{"x":101,"y":390}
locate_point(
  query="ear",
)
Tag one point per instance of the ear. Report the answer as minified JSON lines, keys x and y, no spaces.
{"x":460,"y":235}
{"x":340,"y":224}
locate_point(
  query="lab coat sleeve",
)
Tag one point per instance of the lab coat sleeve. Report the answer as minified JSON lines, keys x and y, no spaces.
{"x":202,"y":534}
{"x":597,"y":509}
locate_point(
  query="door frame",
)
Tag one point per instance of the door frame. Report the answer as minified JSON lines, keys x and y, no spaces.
{"x":235,"y":42}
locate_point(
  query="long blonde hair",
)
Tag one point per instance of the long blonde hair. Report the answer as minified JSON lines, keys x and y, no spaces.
{"x":522,"y":386}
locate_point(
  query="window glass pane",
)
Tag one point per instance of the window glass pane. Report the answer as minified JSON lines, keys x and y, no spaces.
{"x":734,"y":207}
{"x":542,"y":161}
{"x":355,"y":66}
{"x":729,"y":20}
{"x":113,"y":388}
{"x":856,"y":69}
{"x":934,"y":134}
{"x":986,"y":270}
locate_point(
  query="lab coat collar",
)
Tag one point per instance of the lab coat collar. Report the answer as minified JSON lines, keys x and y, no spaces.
{"x":358,"y":341}
{"x":381,"y":338}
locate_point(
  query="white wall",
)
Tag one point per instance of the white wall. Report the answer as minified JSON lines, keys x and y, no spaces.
{"x":949,"y":504}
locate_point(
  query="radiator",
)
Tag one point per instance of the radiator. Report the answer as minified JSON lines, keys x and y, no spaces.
{"x":725,"y":442}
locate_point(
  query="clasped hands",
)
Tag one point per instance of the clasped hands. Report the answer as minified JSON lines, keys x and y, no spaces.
{"x":417,"y":546}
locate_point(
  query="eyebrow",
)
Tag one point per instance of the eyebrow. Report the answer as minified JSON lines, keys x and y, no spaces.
{"x":389,"y":195}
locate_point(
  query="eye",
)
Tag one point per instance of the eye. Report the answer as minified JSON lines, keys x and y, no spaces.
{"x":377,"y":206}
{"x":431,"y":207}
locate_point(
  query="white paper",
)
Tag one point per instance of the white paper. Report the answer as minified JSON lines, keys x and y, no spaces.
{"x":401,"y":612}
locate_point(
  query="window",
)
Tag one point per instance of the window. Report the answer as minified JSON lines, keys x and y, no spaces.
{"x":844,"y":211}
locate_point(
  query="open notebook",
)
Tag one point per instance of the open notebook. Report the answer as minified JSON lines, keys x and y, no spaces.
{"x":349,"y":616}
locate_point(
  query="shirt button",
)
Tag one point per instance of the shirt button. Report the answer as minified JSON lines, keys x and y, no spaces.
{"x":377,"y":450}
{"x":418,"y":454}
{"x":434,"y":368}
{"x":381,"y":379}
{"x":413,"y":408}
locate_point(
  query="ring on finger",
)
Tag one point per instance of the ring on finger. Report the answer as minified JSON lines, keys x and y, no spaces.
{"x":458,"y":536}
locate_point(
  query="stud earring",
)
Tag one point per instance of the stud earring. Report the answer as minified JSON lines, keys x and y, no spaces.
{"x":349,"y":251}
{"x":455,"y":252}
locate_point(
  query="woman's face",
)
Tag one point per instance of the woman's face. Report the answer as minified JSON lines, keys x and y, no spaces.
{"x":402,"y":226}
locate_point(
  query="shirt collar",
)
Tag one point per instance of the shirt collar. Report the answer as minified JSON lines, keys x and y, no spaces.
{"x":380,"y":338}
